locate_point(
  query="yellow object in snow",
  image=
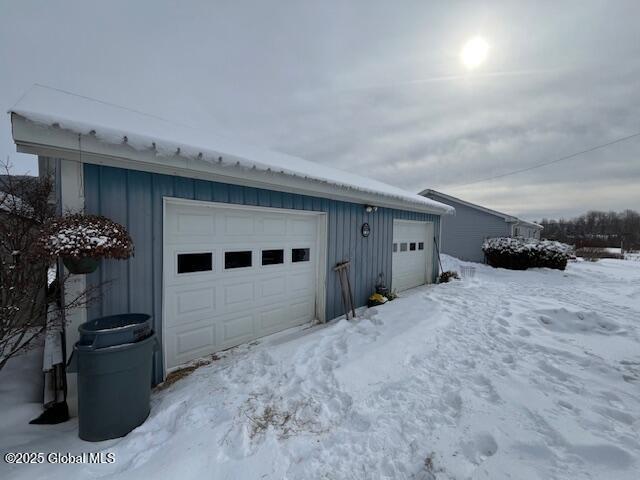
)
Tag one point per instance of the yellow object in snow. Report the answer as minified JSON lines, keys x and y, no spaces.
{"x":376,"y":297}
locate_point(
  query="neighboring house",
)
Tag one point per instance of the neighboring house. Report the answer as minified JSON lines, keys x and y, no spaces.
{"x":231,"y":243}
{"x":463,"y":233}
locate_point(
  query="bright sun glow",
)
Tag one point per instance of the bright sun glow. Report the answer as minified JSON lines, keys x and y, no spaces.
{"x":474,"y":52}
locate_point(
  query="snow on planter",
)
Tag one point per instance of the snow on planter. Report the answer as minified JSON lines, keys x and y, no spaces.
{"x":519,"y":253}
{"x":86,"y":236}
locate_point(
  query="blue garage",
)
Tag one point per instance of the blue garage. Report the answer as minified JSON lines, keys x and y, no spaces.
{"x":232,"y":242}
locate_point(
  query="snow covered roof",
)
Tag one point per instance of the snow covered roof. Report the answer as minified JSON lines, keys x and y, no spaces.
{"x":508,"y":218}
{"x":116,"y":125}
{"x":529,"y":224}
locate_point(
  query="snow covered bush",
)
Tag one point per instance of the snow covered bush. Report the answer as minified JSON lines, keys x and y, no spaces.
{"x":519,"y":253}
{"x":86,"y":236}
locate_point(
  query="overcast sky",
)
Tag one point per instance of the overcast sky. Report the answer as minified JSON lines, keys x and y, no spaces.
{"x":376,"y":88}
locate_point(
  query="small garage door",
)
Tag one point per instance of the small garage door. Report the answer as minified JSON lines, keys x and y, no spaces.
{"x":232,"y":275}
{"x":412,"y":254}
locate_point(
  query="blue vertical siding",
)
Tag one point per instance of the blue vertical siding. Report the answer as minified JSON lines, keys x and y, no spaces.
{"x":140,"y":225}
{"x":134,"y":199}
{"x":464,"y":233}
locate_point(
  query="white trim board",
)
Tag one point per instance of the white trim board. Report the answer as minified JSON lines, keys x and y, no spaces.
{"x":71,"y":198}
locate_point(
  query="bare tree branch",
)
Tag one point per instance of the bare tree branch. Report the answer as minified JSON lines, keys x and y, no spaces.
{"x":28,"y":304}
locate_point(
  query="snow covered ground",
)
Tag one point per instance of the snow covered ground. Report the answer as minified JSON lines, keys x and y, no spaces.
{"x":524,"y":375}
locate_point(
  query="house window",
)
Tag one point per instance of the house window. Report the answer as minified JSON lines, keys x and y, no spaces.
{"x":412,"y":246}
{"x":237,"y":259}
{"x":403,"y":247}
{"x":300,"y":255}
{"x":421,"y":246}
{"x":272,"y":257}
{"x":516,"y":232}
{"x":395,"y":247}
{"x":194,"y":262}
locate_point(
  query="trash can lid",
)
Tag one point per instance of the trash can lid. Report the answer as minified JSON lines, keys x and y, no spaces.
{"x":79,"y":346}
{"x":114,"y":322}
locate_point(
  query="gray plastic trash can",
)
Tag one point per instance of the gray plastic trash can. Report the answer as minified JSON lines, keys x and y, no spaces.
{"x":114,"y":385}
{"x":115,"y":329}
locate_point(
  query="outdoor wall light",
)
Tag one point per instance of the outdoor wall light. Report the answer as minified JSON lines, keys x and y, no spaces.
{"x":370,"y":208}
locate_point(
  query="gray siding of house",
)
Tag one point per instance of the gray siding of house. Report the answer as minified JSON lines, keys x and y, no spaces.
{"x":464,"y":232}
{"x":134,"y":199}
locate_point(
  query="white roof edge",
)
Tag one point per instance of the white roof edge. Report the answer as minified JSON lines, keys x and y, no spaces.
{"x":38,"y":139}
{"x":65,"y":114}
{"x":508,"y":218}
{"x":530,"y":224}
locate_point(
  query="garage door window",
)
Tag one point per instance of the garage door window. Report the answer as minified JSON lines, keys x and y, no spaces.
{"x":421,"y":246}
{"x":237,"y":259}
{"x":194,"y":262}
{"x":300,"y":255}
{"x":412,"y":246}
{"x":403,"y":247}
{"x":272,"y":257}
{"x":395,"y":247}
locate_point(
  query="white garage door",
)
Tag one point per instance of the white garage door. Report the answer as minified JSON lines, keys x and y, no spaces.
{"x":412,"y":254}
{"x":232,"y":275}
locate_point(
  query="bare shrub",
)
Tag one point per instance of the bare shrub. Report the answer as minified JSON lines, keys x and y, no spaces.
{"x":287,"y":418}
{"x":28,"y":305}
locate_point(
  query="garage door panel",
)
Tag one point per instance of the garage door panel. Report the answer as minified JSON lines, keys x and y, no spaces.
{"x":235,"y":275}
{"x":190,"y":307}
{"x":301,"y":227}
{"x":238,"y":329}
{"x":303,"y":308}
{"x":200,"y":300}
{"x":238,"y":293}
{"x":273,"y":287}
{"x":274,"y":317}
{"x":194,"y":224}
{"x":301,"y":282}
{"x":271,"y":225}
{"x":191,"y":340}
{"x":183,"y":345}
{"x":228,"y":307}
{"x":189,"y":226}
{"x":238,"y":225}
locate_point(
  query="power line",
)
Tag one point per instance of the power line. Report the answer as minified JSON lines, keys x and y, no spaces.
{"x":104,"y":102}
{"x":544,"y":164}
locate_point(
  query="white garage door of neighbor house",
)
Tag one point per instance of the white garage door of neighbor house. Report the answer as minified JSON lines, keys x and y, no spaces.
{"x":234,"y":274}
{"x":412,"y":258}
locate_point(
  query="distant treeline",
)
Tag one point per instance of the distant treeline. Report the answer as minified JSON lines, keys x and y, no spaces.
{"x":596,"y":229}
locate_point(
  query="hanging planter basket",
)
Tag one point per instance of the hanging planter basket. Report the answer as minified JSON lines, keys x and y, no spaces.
{"x":83,"y":240}
{"x":82,"y":265}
